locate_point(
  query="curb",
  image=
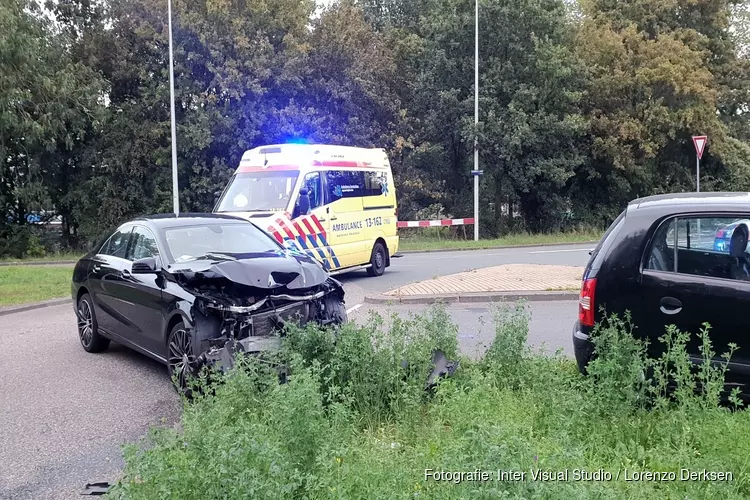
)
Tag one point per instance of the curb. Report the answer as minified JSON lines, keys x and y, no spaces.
{"x":39,"y":263}
{"x":469,"y":298}
{"x":34,"y":305}
{"x":499,"y":247}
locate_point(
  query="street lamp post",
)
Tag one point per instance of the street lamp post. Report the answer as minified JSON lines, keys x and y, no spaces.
{"x":175,"y":191}
{"x":476,"y":119}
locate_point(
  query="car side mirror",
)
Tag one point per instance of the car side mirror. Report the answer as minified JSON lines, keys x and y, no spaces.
{"x":144,"y":266}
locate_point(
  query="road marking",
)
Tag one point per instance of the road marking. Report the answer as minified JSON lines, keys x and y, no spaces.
{"x":558,"y":251}
{"x":353,"y":308}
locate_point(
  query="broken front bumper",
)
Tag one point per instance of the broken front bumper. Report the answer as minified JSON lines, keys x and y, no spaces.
{"x":262,"y":334}
{"x":223,"y":358}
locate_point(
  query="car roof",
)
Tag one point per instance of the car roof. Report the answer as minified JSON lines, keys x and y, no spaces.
{"x":186,"y":219}
{"x":693,"y":201}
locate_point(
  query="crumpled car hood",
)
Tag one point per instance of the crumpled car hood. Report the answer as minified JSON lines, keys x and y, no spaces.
{"x":261,"y":270}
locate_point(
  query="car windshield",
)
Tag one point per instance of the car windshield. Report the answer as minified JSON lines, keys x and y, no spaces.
{"x":223,"y":241}
{"x":258,"y":191}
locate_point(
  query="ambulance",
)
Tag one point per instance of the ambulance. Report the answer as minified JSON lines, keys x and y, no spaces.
{"x":335,"y":203}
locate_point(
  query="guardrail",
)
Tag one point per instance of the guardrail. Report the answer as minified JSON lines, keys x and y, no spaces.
{"x":435,"y":223}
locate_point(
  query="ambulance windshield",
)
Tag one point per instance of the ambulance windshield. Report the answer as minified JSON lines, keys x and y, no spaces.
{"x":258,"y":192}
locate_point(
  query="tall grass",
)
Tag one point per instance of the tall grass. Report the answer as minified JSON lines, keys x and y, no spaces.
{"x":354,"y":421}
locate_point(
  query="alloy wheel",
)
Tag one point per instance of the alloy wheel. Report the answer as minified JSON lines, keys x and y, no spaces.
{"x":181,"y":357}
{"x":85,"y":323}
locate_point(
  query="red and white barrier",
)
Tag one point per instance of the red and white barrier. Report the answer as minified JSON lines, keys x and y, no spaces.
{"x":434,"y":223}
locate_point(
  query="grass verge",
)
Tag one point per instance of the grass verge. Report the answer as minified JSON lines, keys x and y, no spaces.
{"x":52,"y":257}
{"x":431,"y":242}
{"x":23,"y":284}
{"x":354,"y":421}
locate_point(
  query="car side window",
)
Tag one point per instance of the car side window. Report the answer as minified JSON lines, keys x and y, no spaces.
{"x":708,"y":246}
{"x":661,"y":253}
{"x":117,"y":245}
{"x":143,"y":244}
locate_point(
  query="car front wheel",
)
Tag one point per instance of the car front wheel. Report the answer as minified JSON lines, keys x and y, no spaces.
{"x":181,"y":360}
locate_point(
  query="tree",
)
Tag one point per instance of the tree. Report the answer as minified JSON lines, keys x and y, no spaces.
{"x":47,"y":106}
{"x":528,"y":104}
{"x":532,"y":125}
{"x":658,"y":73}
{"x":234,"y":65}
{"x":346,"y":76}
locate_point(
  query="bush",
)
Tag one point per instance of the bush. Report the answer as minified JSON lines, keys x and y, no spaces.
{"x":14,"y":240}
{"x":353,"y":421}
{"x":34,"y":247}
{"x":24,"y":241}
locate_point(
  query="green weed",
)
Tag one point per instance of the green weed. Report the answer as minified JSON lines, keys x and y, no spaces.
{"x":354,"y":421}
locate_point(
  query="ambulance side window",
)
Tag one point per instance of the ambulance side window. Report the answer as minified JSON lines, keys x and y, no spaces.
{"x":376,"y":184}
{"x":344,"y":184}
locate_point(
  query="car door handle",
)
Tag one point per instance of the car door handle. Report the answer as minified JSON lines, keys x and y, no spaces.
{"x":97,"y":268}
{"x":126,"y":273}
{"x":334,"y":218}
{"x":670,"y":305}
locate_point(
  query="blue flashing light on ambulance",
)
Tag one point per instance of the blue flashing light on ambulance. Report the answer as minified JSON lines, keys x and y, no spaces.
{"x":335,"y":203}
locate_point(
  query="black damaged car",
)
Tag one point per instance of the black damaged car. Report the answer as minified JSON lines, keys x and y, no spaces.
{"x":194,"y":289}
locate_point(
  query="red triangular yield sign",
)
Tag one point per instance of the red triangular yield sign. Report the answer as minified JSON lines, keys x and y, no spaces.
{"x":699,"y":141}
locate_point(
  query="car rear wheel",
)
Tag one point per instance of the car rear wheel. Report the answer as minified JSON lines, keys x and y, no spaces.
{"x":88,"y":329}
{"x":377,"y":260}
{"x":181,"y":359}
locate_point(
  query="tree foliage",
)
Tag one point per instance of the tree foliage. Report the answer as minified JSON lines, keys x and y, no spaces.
{"x":583,"y":105}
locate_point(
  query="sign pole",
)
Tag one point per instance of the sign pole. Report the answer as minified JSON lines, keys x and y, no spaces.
{"x":698,"y":190}
{"x":699,"y":141}
{"x":697,"y":174}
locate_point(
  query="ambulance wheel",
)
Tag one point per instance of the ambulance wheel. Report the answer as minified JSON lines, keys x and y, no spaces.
{"x":377,"y":260}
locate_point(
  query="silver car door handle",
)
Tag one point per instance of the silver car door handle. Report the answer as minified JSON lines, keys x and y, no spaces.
{"x":97,"y":268}
{"x":670,"y":305}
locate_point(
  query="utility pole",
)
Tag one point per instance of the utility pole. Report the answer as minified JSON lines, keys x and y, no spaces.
{"x":476,"y":171}
{"x":175,"y":189}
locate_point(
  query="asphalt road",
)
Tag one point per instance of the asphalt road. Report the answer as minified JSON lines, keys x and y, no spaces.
{"x":414,"y":267}
{"x":64,"y":414}
{"x":550,"y":328}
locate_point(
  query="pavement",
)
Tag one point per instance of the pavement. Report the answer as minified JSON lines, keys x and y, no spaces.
{"x":65,"y":413}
